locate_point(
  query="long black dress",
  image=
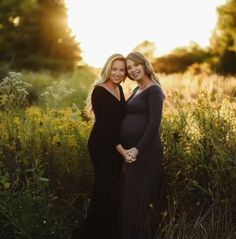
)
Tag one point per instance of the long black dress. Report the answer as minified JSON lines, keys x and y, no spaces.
{"x":141,"y":129}
{"x":102,"y":220}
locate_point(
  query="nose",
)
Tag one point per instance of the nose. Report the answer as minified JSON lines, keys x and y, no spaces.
{"x":132,"y":70}
{"x":120,"y":72}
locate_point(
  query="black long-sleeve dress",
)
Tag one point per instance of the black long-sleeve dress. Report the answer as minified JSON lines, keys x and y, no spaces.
{"x":141,"y":129}
{"x":102,"y":219}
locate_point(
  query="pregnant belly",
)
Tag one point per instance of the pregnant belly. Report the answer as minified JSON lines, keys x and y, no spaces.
{"x":132,"y":129}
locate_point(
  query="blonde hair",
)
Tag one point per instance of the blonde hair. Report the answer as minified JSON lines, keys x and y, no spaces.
{"x":104,"y":76}
{"x":148,"y":68}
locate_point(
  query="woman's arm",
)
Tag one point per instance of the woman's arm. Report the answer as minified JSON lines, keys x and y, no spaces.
{"x":155,"y":106}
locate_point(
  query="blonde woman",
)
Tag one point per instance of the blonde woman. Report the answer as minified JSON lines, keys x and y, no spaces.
{"x":107,"y":102}
{"x":140,"y":136}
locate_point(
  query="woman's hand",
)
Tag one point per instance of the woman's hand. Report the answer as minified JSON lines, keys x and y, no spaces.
{"x":129,"y":155}
{"x":123,"y":152}
{"x":132,"y":154}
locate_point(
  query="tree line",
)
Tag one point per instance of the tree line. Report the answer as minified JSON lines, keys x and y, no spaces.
{"x":34,"y":35}
{"x":218,"y":57}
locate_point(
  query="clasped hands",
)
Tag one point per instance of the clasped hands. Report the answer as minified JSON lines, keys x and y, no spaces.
{"x":130,"y":155}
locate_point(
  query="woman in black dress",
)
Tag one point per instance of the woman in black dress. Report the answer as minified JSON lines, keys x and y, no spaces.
{"x":107,"y":102}
{"x":140,"y":135}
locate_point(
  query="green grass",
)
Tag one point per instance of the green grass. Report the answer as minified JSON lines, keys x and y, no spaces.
{"x":46,"y":175}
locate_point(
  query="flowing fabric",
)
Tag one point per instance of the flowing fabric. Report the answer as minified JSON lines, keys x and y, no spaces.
{"x":140,"y":128}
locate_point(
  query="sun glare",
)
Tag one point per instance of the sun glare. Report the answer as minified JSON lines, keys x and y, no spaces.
{"x":103,"y":28}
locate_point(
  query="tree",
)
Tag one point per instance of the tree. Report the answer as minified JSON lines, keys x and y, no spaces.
{"x":181,"y":58}
{"x":223,"y":41}
{"x":11,"y":13}
{"x":35,"y":35}
{"x":148,"y":49}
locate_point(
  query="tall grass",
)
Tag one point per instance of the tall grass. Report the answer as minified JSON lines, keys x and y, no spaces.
{"x":79,"y":80}
{"x":43,"y":160}
{"x":200,"y":168}
{"x":46,"y":174}
{"x":188,"y":85}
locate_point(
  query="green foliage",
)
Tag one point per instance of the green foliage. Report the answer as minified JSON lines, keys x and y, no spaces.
{"x":227,"y":62}
{"x":148,"y":49}
{"x":46,"y":176}
{"x":4,"y":69}
{"x":35,"y":35}
{"x":226,"y":26}
{"x":180,"y":59}
{"x":56,"y":93}
{"x":223,"y":42}
{"x":79,"y":81}
{"x":43,"y":161}
{"x":37,"y":221}
{"x":200,"y":169}
{"x":13,"y":91}
{"x":39,"y":82}
{"x":12,"y":12}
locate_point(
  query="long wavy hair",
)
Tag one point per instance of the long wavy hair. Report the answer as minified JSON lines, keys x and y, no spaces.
{"x":148,"y":68}
{"x":104,"y":76}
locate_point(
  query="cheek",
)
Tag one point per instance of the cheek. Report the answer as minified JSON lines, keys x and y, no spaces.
{"x":142,"y":72}
{"x":128,"y":72}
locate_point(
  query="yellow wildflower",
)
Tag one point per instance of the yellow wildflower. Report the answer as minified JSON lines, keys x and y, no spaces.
{"x":16,"y":121}
{"x":56,"y":139}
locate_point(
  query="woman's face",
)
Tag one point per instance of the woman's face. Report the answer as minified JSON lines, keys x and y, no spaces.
{"x":117,"y":72}
{"x":135,"y":70}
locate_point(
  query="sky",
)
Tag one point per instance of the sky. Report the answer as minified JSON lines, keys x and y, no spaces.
{"x":105,"y":27}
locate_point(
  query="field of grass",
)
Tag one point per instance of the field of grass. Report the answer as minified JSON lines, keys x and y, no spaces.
{"x":46,"y":175}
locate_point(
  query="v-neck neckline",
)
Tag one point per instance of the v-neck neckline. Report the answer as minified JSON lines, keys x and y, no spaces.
{"x":140,"y":93}
{"x":111,"y":93}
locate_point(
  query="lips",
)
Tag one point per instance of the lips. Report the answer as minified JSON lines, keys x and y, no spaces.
{"x":135,"y":75}
{"x":117,"y":78}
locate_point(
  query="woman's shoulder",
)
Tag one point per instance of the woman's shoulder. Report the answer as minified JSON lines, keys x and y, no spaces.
{"x":98,"y":88}
{"x":101,"y":88}
{"x":98,"y":91}
{"x":156,"y":89}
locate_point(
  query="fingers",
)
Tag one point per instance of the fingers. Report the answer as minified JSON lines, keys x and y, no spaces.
{"x":129,"y":158}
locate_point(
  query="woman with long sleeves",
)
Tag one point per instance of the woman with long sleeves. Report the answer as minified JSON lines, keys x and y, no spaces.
{"x":140,"y":136}
{"x":107,"y":102}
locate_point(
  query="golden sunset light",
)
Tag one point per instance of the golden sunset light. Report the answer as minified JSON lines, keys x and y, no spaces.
{"x":117,"y":119}
{"x":104,"y":27}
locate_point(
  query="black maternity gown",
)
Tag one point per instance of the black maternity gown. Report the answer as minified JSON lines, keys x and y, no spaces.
{"x":140,"y":128}
{"x":102,"y":220}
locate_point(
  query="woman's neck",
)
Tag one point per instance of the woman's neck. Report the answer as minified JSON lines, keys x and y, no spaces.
{"x":112,"y":88}
{"x":145,"y":83}
{"x":111,"y":85}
